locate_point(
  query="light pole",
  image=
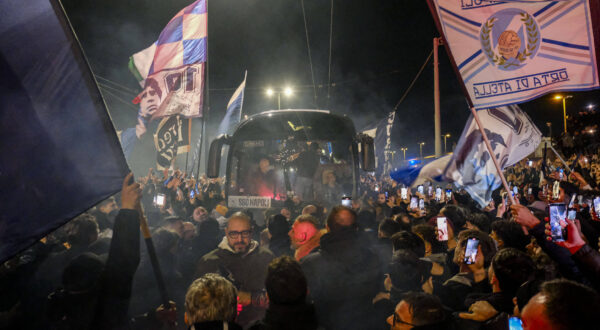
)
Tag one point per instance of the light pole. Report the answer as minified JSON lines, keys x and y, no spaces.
{"x":287,"y":91}
{"x":564,"y":99}
{"x":403,"y":153}
{"x":445,"y":136}
{"x":421,"y":144}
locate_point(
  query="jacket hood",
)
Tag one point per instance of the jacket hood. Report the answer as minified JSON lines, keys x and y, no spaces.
{"x":224,"y":245}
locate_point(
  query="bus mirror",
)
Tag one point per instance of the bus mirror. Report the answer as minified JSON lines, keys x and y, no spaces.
{"x":367,"y":151}
{"x":214,"y":156}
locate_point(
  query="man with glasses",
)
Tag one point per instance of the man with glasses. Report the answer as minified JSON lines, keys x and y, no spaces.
{"x":419,"y":310}
{"x":239,"y":259}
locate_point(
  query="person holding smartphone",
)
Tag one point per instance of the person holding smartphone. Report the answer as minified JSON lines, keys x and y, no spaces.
{"x":472,"y":259}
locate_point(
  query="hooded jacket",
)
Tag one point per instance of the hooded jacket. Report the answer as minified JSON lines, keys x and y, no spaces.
{"x":247,"y":271}
{"x":343,"y":277}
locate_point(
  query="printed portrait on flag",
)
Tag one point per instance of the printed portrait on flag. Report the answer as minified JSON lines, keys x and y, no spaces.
{"x":512,"y":52}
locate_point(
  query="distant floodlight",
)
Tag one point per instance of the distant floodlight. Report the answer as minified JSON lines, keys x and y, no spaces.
{"x":269,"y":92}
{"x":558,"y":97}
{"x":287,"y":91}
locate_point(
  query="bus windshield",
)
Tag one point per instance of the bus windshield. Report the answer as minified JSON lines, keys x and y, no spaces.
{"x":313,"y":169}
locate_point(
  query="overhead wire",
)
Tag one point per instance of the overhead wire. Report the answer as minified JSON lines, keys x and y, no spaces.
{"x":117,"y":84}
{"x":312,"y":74}
{"x":330,"y":47}
{"x":413,"y":81}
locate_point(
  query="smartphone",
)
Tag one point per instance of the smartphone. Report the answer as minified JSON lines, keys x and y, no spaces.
{"x":413,"y":202}
{"x":561,"y":173}
{"x":404,"y":193}
{"x":438,"y":193}
{"x":515,"y":190}
{"x":192,"y":193}
{"x":530,"y":163}
{"x":430,"y":191}
{"x":386,"y":195}
{"x":529,"y":191}
{"x":572,"y":214}
{"x":448,"y":194}
{"x":579,"y":199}
{"x":556,"y":190}
{"x":420,"y":189}
{"x":376,"y":187}
{"x":442,"y":229}
{"x":572,"y":202}
{"x":515,"y":323}
{"x":347,"y":201}
{"x":471,"y":251}
{"x":597,"y":206}
{"x":421,"y":204}
{"x":159,"y":199}
{"x":558,"y":223}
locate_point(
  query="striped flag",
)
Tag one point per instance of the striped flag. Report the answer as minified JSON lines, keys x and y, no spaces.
{"x":234,"y":109}
{"x":512,"y":52}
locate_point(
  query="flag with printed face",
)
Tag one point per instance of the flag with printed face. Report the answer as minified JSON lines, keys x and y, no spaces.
{"x":509,"y":52}
{"x":234,"y":110}
{"x":512,"y":135}
{"x":177,"y":66}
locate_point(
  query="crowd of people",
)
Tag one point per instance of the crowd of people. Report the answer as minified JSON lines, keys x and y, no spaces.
{"x":394,"y":257}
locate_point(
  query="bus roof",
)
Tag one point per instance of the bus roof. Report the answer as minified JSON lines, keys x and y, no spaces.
{"x":302,"y":124}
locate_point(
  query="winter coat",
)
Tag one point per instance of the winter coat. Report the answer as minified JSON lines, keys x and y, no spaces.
{"x":289,"y":317}
{"x":247,"y":271}
{"x":343,"y":277}
{"x":455,"y":290}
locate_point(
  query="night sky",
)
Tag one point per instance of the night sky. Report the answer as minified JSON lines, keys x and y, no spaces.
{"x":377,"y":49}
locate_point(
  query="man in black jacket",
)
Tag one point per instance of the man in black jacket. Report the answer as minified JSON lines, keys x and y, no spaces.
{"x":344,"y":276}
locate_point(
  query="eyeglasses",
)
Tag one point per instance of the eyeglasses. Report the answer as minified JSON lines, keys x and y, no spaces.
{"x":236,"y":234}
{"x":397,"y":319}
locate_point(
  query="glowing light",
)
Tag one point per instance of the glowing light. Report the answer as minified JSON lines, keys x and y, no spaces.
{"x":270,"y":92}
{"x":558,"y":97}
{"x":287,"y":91}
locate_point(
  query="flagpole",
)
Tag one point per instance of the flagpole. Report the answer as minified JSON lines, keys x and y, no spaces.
{"x":162,"y":289}
{"x":187,"y":155}
{"x":244,"y":92}
{"x":492,"y":154}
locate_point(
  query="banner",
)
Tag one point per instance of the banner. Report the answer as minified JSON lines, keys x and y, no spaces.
{"x":170,"y":139}
{"x":177,"y":66}
{"x":414,"y":176}
{"x":512,"y":135}
{"x":512,"y":52}
{"x":381,"y":133}
{"x":59,"y":153}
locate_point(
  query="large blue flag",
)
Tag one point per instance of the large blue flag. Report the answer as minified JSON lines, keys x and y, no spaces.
{"x":59,"y":154}
{"x":234,"y":110}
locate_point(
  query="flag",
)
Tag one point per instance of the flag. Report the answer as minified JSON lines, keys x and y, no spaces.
{"x":414,"y":176}
{"x":234,"y":110}
{"x":512,"y":52}
{"x":381,"y":133}
{"x":171,"y":138}
{"x":512,"y":135}
{"x":59,"y":152}
{"x":177,"y":67}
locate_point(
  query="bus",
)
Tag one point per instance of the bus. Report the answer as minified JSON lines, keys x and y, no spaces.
{"x":309,"y":155}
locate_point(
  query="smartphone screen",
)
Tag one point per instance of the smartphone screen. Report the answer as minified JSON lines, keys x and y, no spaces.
{"x":515,"y":323}
{"x":421,"y":204}
{"x":572,"y":214}
{"x":572,"y":202}
{"x":561,"y":173}
{"x":558,"y":224}
{"x":556,"y":190}
{"x":430,"y":191}
{"x":403,"y":193}
{"x":515,"y":190}
{"x":192,"y":193}
{"x":159,"y":199}
{"x":448,"y":194}
{"x":442,"y":229}
{"x":579,"y":199}
{"x":420,"y":189}
{"x":597,"y":206}
{"x":347,"y":201}
{"x":414,"y":203}
{"x":471,"y":250}
{"x":438,"y":193}
{"x":528,"y":191}
{"x":376,"y":187}
{"x":530,"y":163}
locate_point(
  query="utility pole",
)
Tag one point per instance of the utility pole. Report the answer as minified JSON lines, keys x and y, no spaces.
{"x":436,"y":98}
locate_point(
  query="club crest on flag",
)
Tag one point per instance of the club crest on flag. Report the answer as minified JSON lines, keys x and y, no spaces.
{"x":509,"y":38}
{"x":509,"y":52}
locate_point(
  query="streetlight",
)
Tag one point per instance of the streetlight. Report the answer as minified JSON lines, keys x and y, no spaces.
{"x":445,"y":136}
{"x":564,"y":98}
{"x":287,"y":91}
{"x":421,"y":144}
{"x":403,"y":153}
